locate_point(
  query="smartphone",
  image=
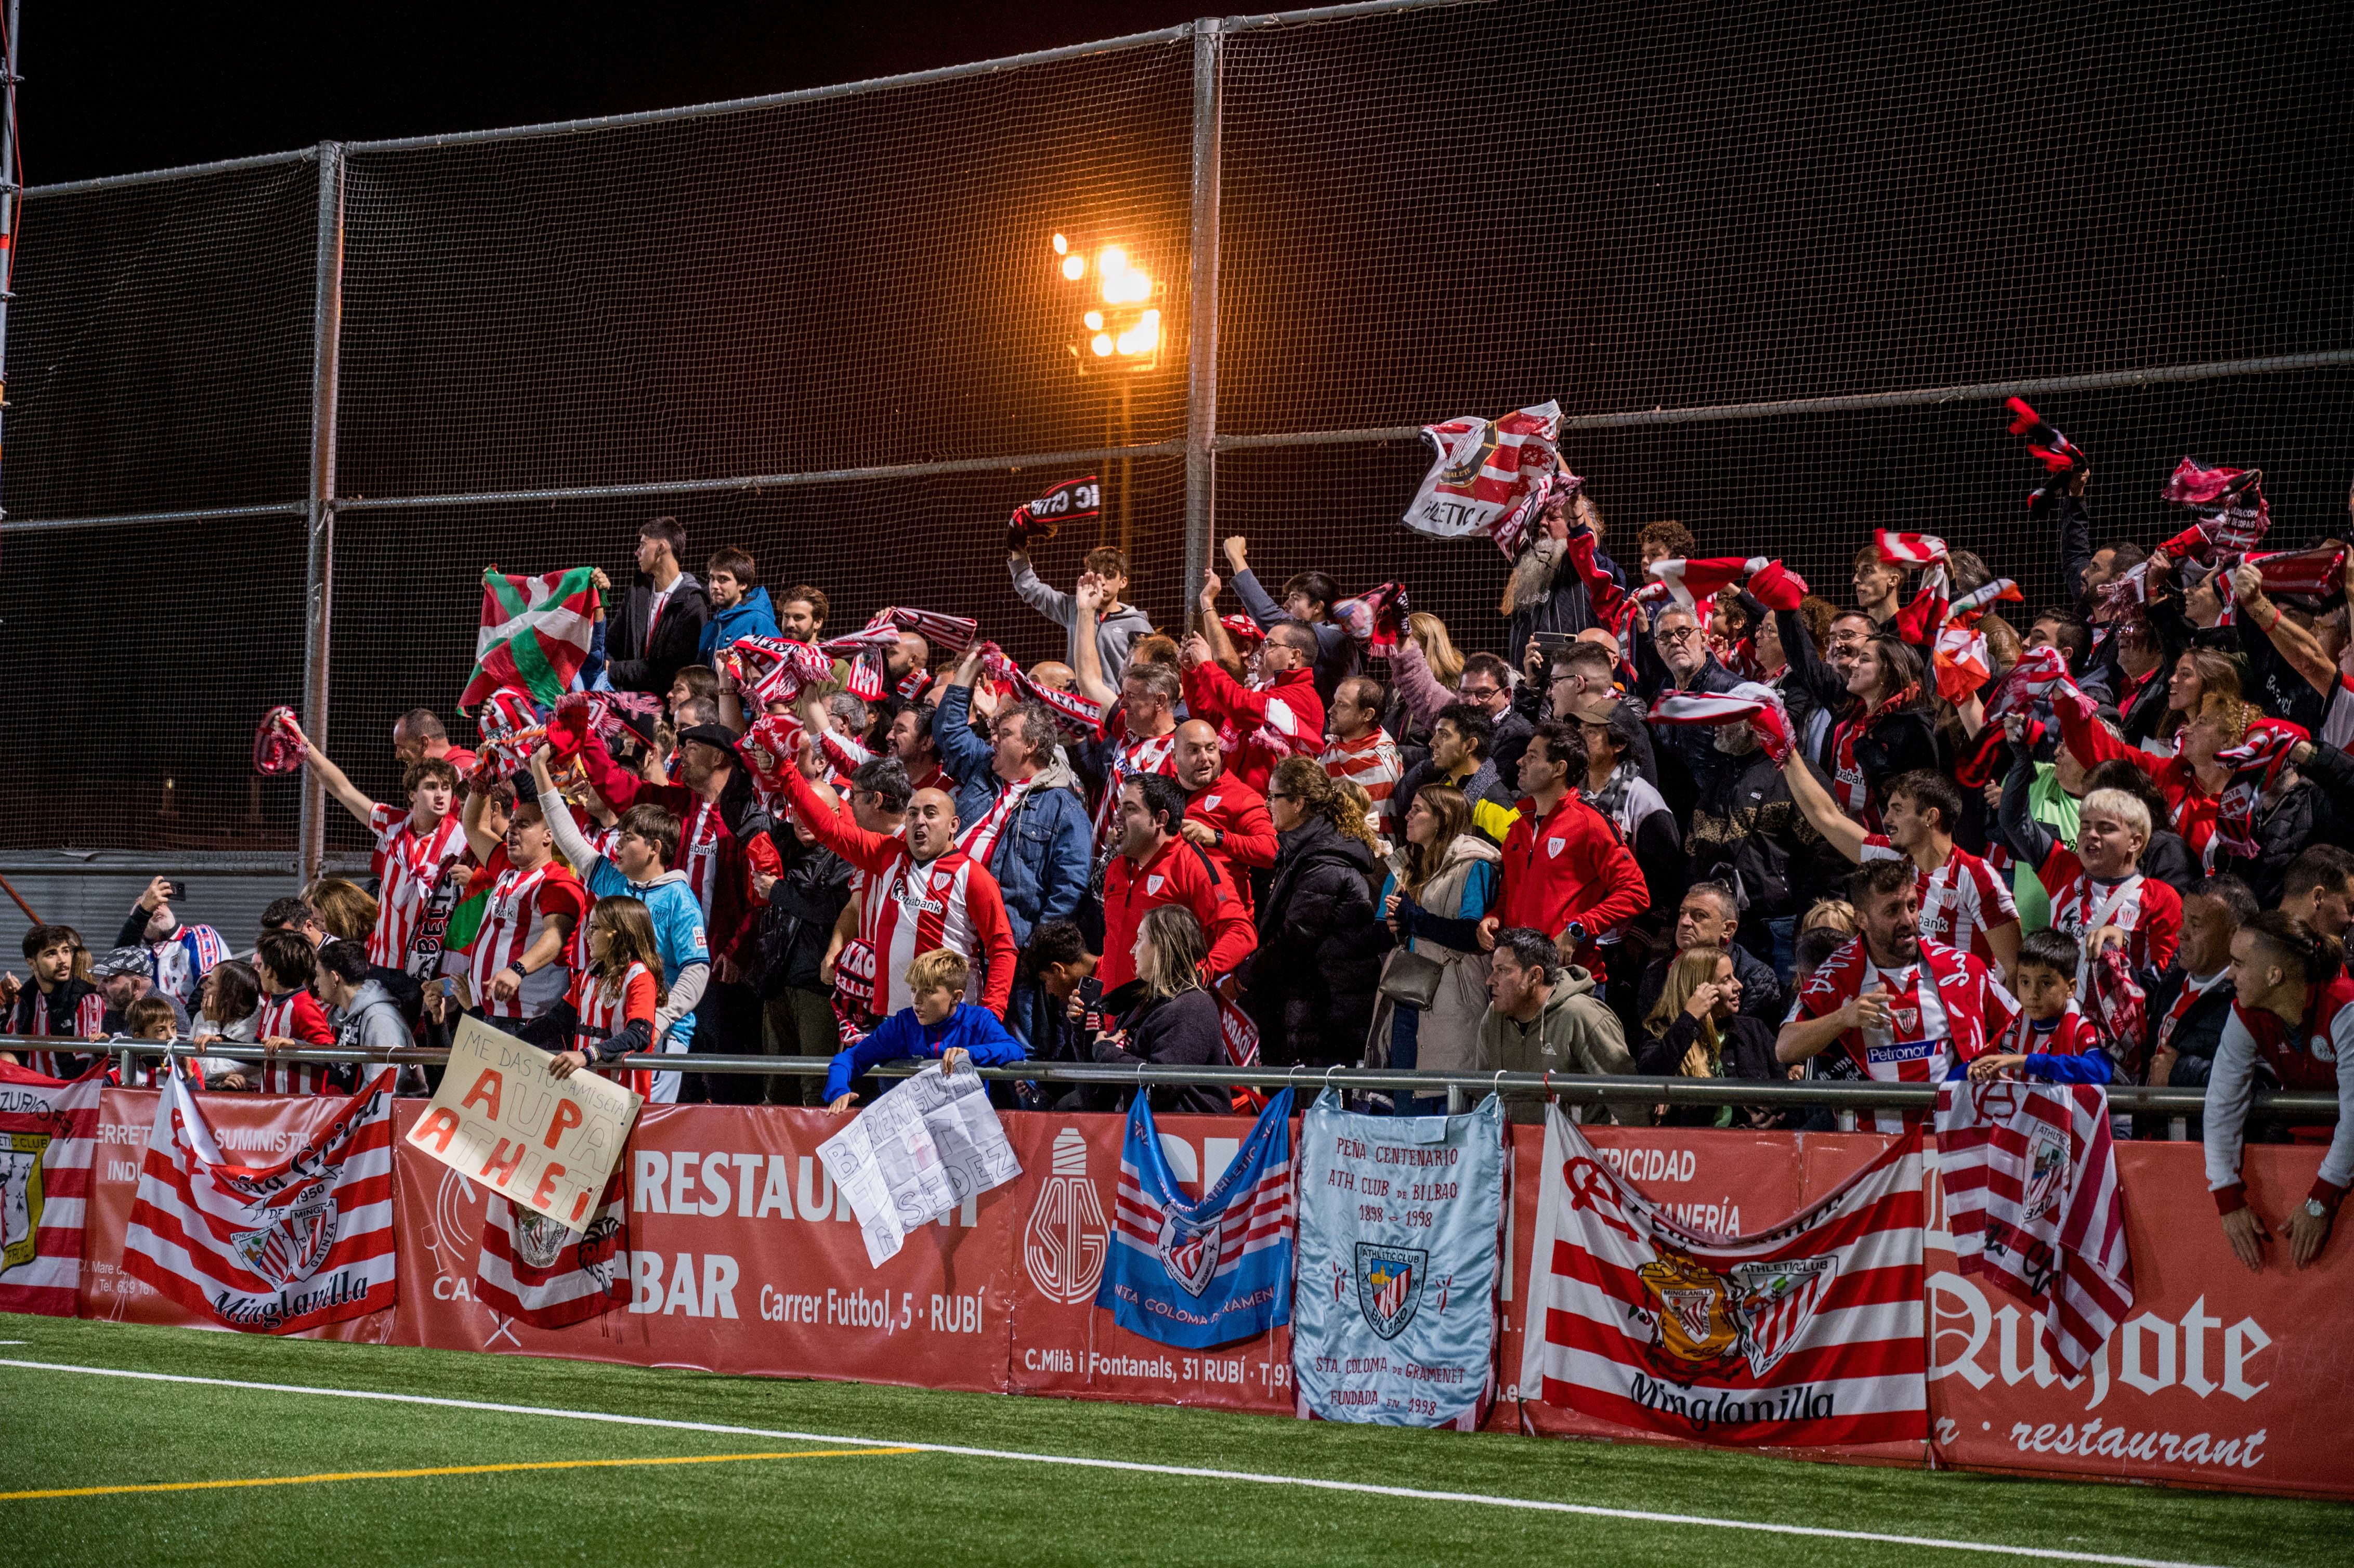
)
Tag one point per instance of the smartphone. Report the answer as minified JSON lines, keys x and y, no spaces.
{"x":179,"y":889}
{"x":1547,"y":641}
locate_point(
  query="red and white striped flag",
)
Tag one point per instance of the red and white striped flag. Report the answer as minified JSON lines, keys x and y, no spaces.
{"x":48,"y":1132}
{"x":531,"y":1268}
{"x":1807,"y":1333}
{"x":270,"y":1249}
{"x":2032,"y":1199}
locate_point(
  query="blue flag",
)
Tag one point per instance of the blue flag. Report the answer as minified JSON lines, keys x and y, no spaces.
{"x":1196,"y":1275}
{"x":1401,"y":1238}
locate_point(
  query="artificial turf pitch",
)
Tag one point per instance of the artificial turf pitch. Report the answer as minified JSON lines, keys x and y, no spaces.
{"x":163,"y":1472}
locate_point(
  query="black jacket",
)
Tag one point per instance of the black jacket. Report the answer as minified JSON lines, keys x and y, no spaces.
{"x":1761,"y":993}
{"x":1310,"y":985}
{"x":1689,"y":764}
{"x":797,"y":922}
{"x":1898,"y":743}
{"x":1179,"y":1031}
{"x":1745,"y":1051}
{"x":632,"y":665}
{"x":2198,"y":1034}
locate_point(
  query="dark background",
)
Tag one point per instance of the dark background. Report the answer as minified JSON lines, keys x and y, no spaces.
{"x":111,"y":90}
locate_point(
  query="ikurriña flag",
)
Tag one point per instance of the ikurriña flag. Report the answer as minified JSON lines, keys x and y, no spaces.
{"x":268,"y":1249}
{"x":1198,"y":1273}
{"x":2032,"y":1199}
{"x":1807,"y":1334}
{"x":48,"y":1130}
{"x":533,"y":1269}
{"x":534,"y":635}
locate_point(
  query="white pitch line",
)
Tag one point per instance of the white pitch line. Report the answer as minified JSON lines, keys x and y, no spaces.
{"x":1366,"y":1489}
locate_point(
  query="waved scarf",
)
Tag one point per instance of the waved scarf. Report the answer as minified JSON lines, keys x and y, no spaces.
{"x":1960,"y":659}
{"x":777,"y":668}
{"x":276,"y":752}
{"x":1075,"y":711}
{"x":578,"y":713}
{"x":1694,"y":584}
{"x":1759,"y":705}
{"x":1375,"y":618}
{"x":1846,"y":777}
{"x":2256,"y":763}
{"x":2039,"y":673}
{"x":2055,"y":451}
{"x":2120,"y":1011}
{"x":767,"y":748}
{"x":1919,"y":621}
{"x":2229,"y":503}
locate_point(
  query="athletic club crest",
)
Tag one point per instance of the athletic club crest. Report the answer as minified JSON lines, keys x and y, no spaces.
{"x":20,"y":1197}
{"x":1707,"y":1323}
{"x":1189,"y":1254}
{"x":1389,"y":1286}
{"x":287,"y":1252}
{"x":2047,"y":1173}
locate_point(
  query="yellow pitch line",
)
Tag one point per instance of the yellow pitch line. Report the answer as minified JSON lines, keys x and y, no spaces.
{"x":451,"y":1470}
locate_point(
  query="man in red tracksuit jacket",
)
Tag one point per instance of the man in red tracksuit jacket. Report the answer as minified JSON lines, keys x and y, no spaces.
{"x":1154,"y":867}
{"x":1260,"y":728}
{"x":1223,"y":815}
{"x":1565,"y":872}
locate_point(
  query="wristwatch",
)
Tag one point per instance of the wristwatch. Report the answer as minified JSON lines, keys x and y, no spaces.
{"x":2313,"y":1209}
{"x":1574,"y":934}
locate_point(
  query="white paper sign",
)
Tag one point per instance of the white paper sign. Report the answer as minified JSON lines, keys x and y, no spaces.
{"x":915,"y":1153}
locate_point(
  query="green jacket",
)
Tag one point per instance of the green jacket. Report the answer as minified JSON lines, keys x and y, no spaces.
{"x":1575,"y":1033}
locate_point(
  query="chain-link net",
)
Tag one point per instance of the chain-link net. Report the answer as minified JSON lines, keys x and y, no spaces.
{"x":1424,"y":213}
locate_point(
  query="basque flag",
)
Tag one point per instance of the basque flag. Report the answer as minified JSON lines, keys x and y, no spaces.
{"x":1198,"y":1273}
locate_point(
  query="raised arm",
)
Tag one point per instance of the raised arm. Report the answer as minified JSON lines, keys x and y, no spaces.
{"x":1086,"y":663}
{"x":1256,"y":603}
{"x":2296,"y":645}
{"x":2030,"y":840}
{"x":478,"y":839}
{"x":333,"y":778}
{"x":871,"y":853}
{"x":569,"y":842}
{"x":1053,"y":604}
{"x":1416,"y":687}
{"x":2088,"y":740}
{"x":1213,"y":630}
{"x":1844,"y":832}
{"x":964,"y":754}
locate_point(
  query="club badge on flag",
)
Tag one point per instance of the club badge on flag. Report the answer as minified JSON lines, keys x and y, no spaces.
{"x":1196,"y":1273}
{"x":48,"y":1132}
{"x":1488,"y":474}
{"x":2032,"y":1199}
{"x":533,"y":1269}
{"x":1808,"y":1333}
{"x":535,"y":634}
{"x":270,"y":1249}
{"x":1401,"y":1233}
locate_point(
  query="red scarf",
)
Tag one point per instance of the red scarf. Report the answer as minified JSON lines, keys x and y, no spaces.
{"x":1847,"y":778}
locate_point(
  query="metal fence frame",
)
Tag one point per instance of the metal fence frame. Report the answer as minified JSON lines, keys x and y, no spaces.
{"x":321,"y":504}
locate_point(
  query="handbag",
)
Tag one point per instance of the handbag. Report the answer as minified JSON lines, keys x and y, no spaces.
{"x":1411,"y":980}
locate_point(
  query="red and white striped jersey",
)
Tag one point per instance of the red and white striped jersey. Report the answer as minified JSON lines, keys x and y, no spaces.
{"x":2145,"y":909}
{"x":2337,"y":719}
{"x":604,"y":1013}
{"x":296,"y":1015}
{"x":1932,"y":1027}
{"x":83,"y":1019}
{"x":1150,"y":753}
{"x":1960,"y":901}
{"x":1372,"y":759}
{"x":520,"y":904}
{"x":701,"y":833}
{"x":2068,"y":1034}
{"x":912,"y":909}
{"x":410,"y":866}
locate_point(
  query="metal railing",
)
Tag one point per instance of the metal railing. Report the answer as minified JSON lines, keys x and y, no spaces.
{"x":1845,"y":1099}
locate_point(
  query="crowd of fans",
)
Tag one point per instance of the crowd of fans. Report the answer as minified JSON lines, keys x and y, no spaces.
{"x":1694,"y":820}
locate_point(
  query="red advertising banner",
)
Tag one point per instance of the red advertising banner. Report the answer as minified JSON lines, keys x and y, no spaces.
{"x":743,"y":1258}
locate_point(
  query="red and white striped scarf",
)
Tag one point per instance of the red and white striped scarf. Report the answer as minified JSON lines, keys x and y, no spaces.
{"x":980,"y":840}
{"x":1694,"y":584}
{"x":1760,"y":705}
{"x":2256,"y":763}
{"x":1150,"y":753}
{"x":2194,"y":991}
{"x":1081,"y":716}
{"x":2040,"y":673}
{"x":1960,"y":657}
{"x":2232,"y":513}
{"x":1846,"y":777}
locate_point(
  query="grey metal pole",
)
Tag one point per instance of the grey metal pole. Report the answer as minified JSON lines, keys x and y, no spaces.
{"x":8,"y":193}
{"x":1202,"y":308}
{"x":326,"y":336}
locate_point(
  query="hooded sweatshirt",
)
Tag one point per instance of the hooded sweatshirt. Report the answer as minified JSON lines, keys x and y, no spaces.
{"x":751,"y":616}
{"x":374,"y":1022}
{"x":1117,"y":632}
{"x":1574,"y":1033}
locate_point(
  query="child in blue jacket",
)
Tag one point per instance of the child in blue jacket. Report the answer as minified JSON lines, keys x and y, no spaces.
{"x":939,"y":1025}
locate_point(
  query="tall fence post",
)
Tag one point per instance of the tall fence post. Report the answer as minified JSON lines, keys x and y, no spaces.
{"x":1202,"y":310}
{"x":326,"y":336}
{"x":9,"y":196}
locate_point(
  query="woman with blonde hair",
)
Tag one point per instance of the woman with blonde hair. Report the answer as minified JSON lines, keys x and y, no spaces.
{"x":1423,"y":676}
{"x":1163,"y":1015}
{"x":1442,"y":879}
{"x":1696,"y":1030}
{"x":1310,"y":985}
{"x":1834,"y":914}
{"x":345,"y":909}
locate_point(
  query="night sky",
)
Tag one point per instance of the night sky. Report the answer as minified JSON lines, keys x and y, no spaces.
{"x":104,"y":96}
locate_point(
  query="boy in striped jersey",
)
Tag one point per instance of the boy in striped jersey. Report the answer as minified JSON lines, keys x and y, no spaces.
{"x":518,"y":967}
{"x":292,"y":1019}
{"x":639,"y":869}
{"x":1965,"y":903}
{"x":416,"y":851}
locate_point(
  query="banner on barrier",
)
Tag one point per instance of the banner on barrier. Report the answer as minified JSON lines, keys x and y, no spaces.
{"x":1401,"y":1226}
{"x":1200,"y":1273}
{"x":48,"y":1130}
{"x":546,"y":1144}
{"x":926,"y":1145}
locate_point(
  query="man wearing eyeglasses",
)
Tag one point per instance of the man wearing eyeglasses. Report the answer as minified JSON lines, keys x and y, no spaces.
{"x":1679,"y":661}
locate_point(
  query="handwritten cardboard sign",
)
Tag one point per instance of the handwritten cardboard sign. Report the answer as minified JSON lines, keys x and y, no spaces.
{"x":499,"y":1119}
